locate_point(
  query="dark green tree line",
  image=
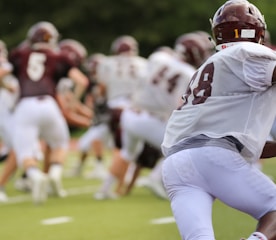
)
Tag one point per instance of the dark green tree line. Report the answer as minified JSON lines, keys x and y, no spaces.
{"x":97,"y":22}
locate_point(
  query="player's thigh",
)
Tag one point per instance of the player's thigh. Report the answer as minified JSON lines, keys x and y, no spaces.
{"x":24,"y":142}
{"x":144,"y":126}
{"x":55,"y":131}
{"x":191,"y":204}
{"x":131,"y":146}
{"x":99,"y":132}
{"x":234,"y":181}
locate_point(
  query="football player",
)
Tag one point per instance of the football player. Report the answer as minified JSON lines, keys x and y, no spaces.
{"x":69,"y":94}
{"x":98,"y":135}
{"x":8,"y":97}
{"x":122,"y":74}
{"x":39,"y":65}
{"x":211,"y":141}
{"x":145,"y":120}
{"x":74,"y":111}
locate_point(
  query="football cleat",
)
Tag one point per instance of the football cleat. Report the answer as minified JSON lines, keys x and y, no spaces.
{"x":23,"y":184}
{"x":3,"y":197}
{"x":56,"y":184}
{"x":105,"y":196}
{"x":39,"y":188}
{"x":99,"y":172}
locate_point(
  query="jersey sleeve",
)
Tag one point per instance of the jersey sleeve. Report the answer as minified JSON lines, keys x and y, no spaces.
{"x":64,"y":64}
{"x":258,"y":72}
{"x":12,"y":59}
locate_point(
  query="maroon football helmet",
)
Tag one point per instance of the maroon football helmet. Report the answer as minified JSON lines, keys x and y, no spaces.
{"x":43,"y":32}
{"x":238,"y":20}
{"x":74,"y":49}
{"x":194,"y":47}
{"x":124,"y":44}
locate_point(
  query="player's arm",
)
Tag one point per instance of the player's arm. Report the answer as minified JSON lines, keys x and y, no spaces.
{"x":269,"y":150}
{"x":80,"y":79}
{"x":75,"y":113}
{"x":5,"y":69}
{"x":274,"y":76}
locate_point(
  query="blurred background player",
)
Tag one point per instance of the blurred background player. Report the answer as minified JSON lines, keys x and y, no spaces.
{"x":121,"y":73}
{"x":117,"y":76}
{"x":8,"y":97}
{"x":70,"y":94}
{"x":145,"y":119}
{"x":98,"y":136}
{"x":193,"y":48}
{"x":39,"y":66}
{"x":75,"y":112}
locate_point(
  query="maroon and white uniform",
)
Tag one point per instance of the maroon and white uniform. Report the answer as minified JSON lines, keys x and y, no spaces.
{"x":238,"y":101}
{"x":7,"y":102}
{"x":37,"y":114}
{"x":153,"y":102}
{"x":122,"y":75}
{"x":7,"y":97}
{"x":211,"y":142}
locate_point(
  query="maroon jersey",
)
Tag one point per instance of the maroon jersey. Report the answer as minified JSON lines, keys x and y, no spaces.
{"x":39,"y":70}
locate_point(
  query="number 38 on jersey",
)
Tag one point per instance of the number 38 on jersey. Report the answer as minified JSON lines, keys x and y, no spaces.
{"x":200,"y":86}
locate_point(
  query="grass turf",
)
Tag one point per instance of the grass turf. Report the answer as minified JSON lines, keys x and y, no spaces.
{"x":128,"y":218}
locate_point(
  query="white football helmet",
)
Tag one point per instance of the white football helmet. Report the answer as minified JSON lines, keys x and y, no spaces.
{"x":194,"y":47}
{"x":92,"y":62}
{"x":124,"y":44}
{"x":74,"y":49}
{"x":43,"y":32}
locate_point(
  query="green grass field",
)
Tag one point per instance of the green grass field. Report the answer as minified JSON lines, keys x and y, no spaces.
{"x":139,"y":216}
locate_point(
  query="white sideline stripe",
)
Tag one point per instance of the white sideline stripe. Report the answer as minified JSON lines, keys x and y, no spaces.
{"x":71,"y":192}
{"x":164,"y":220}
{"x":57,"y":220}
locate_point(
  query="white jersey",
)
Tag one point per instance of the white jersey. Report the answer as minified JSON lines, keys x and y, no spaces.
{"x":65,"y":85}
{"x":167,"y":78}
{"x":122,"y":75}
{"x":8,"y":99}
{"x":231,"y":95}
